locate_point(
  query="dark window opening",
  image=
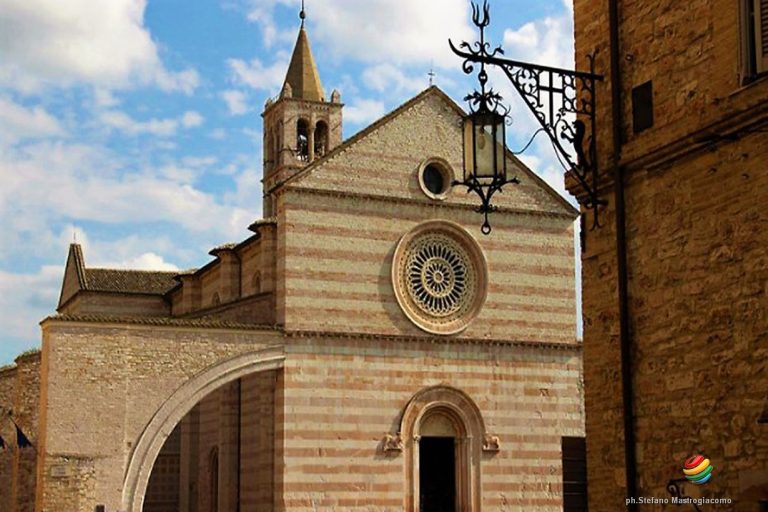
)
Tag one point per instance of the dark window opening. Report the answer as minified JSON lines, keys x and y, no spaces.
{"x":434,"y":179}
{"x":437,"y":474}
{"x":321,"y":139}
{"x":642,"y":107}
{"x":574,"y":474}
{"x":214,"y":482}
{"x":302,"y":140}
{"x":751,"y":53}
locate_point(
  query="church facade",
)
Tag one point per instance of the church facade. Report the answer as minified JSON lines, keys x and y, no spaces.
{"x":365,"y":348}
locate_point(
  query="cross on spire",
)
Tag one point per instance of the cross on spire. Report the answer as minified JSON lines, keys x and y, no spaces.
{"x":431,"y":76}
{"x":302,"y":14}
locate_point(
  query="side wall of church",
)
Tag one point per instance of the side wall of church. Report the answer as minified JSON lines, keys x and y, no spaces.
{"x":343,"y":395}
{"x":106,"y":383}
{"x":90,"y":303}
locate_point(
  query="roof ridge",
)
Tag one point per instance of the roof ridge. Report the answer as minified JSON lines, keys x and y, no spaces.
{"x":133,"y":270}
{"x":383,"y":120}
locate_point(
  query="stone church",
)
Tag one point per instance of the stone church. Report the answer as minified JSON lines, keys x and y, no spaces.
{"x":364,"y":348}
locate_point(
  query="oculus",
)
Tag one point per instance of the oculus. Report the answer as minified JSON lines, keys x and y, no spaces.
{"x":435,"y":178}
{"x":440,"y":277}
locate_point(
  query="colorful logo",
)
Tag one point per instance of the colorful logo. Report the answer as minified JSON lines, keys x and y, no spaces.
{"x":697,"y":469}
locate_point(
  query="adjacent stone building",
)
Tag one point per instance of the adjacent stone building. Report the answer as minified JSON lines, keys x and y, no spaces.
{"x":690,"y":107}
{"x":366,"y":348}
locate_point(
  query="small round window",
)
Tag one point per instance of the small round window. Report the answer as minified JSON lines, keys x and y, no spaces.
{"x":435,"y":179}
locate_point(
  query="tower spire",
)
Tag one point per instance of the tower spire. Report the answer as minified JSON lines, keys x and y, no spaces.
{"x":302,"y":76}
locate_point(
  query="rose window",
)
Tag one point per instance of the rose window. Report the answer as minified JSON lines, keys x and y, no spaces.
{"x":439,"y":277}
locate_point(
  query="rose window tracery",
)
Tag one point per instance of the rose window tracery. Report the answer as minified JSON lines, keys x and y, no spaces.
{"x":439,"y":277}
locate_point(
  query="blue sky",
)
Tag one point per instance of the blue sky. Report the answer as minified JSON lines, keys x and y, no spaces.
{"x":135,"y":125}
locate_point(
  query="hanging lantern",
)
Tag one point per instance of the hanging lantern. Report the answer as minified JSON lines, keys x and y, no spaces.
{"x":484,"y":139}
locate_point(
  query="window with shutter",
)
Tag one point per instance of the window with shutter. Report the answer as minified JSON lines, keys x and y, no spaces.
{"x":761,"y":35}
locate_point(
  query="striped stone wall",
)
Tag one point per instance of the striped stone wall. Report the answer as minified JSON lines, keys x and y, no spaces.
{"x":337,"y":257}
{"x":342,"y":396}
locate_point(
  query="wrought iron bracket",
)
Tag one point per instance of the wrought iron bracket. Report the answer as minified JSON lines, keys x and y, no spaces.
{"x":674,"y":490}
{"x":562,"y":100}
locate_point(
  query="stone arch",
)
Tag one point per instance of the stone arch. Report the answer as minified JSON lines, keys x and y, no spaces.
{"x":177,"y":406}
{"x":466,"y":420}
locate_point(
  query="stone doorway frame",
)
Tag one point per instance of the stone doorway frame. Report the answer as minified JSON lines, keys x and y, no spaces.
{"x":177,"y":406}
{"x":471,"y":441}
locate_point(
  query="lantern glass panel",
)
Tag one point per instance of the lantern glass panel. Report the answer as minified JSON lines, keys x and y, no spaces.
{"x":484,"y":147}
{"x":500,"y":146}
{"x":469,"y":149}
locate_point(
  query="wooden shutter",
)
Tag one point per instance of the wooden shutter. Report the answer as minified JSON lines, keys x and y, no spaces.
{"x":574,"y":474}
{"x":761,"y":35}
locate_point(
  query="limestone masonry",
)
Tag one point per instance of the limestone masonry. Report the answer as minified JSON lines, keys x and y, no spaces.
{"x":365,"y":348}
{"x":696,"y":190}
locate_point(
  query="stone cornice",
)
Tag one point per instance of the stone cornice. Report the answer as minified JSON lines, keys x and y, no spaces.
{"x":118,"y":321}
{"x":447,"y":340}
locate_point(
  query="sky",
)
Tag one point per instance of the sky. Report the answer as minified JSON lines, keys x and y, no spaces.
{"x":134,"y":126}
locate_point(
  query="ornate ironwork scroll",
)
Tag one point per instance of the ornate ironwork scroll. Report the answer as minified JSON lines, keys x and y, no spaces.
{"x":562,"y":100}
{"x":674,"y":490}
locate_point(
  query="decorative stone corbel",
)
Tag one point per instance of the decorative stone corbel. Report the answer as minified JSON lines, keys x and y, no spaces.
{"x":393,"y":443}
{"x":490,"y":443}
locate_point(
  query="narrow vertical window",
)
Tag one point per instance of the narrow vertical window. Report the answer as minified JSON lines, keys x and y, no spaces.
{"x":754,"y":39}
{"x":302,"y":140}
{"x":760,"y":24}
{"x":321,"y":139}
{"x":214,"y":476}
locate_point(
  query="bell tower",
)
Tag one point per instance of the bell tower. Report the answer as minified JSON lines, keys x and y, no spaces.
{"x":300,"y":125}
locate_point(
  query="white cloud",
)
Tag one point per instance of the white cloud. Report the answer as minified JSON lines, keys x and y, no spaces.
{"x":18,"y":122}
{"x":363,"y":111}
{"x":85,"y":184}
{"x":191,"y":119}
{"x":389,"y":78}
{"x":53,"y":43}
{"x":389,"y":30}
{"x":258,"y":76}
{"x":27,"y":298}
{"x":218,"y":134}
{"x":237,"y":102}
{"x":167,"y":127}
{"x":392,"y":30}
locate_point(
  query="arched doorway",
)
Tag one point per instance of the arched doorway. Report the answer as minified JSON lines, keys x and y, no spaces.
{"x":443,"y":437}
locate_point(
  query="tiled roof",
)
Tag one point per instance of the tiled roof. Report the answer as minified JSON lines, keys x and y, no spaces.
{"x":201,"y":323}
{"x":128,"y":281}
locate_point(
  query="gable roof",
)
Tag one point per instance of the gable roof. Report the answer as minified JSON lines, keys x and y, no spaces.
{"x":129,"y":281}
{"x":382,"y":121}
{"x":78,"y":278}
